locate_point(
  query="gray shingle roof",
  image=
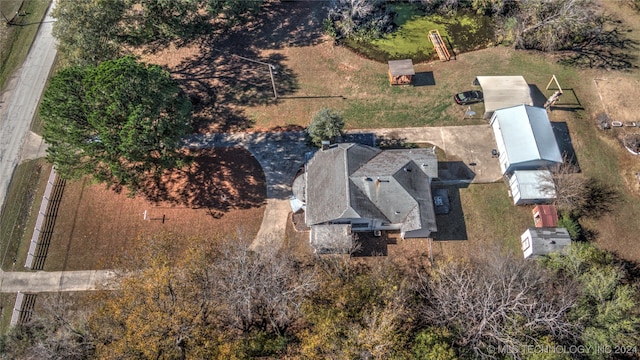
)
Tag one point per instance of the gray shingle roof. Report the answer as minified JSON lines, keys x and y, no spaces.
{"x":357,"y":181}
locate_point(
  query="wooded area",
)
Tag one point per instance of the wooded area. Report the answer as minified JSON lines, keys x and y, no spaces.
{"x":227,"y":302}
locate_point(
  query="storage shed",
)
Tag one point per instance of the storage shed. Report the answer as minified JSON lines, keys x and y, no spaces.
{"x":401,"y":72}
{"x":545,"y":216}
{"x":525,"y":139}
{"x":544,"y":241}
{"x":531,"y":187}
{"x":502,"y":92}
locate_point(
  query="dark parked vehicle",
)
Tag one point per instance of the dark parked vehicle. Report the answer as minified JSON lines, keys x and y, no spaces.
{"x":468,"y":97}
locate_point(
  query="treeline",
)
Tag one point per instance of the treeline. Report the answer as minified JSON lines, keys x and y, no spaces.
{"x":547,"y":25}
{"x":90,"y":32}
{"x":227,"y":302}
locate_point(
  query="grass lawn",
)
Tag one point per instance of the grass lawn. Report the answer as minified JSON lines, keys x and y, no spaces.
{"x":20,"y":212}
{"x":7,"y":302}
{"x":16,"y":39}
{"x":482,"y":217}
{"x":222,"y":193}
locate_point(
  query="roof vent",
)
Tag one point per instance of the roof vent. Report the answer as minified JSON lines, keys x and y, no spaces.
{"x":407,"y":169}
{"x":425,"y":164}
{"x":366,"y":178}
{"x":397,"y":212}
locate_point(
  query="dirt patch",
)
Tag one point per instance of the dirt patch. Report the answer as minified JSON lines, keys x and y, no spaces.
{"x":219,"y":195}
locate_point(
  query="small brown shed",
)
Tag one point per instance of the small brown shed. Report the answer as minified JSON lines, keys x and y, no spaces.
{"x":545,"y":216}
{"x":401,"y":72}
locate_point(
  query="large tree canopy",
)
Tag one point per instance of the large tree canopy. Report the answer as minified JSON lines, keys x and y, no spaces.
{"x":91,"y":31}
{"x":120,"y":122}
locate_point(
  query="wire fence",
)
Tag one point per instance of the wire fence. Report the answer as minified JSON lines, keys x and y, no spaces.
{"x":23,"y":309}
{"x":45,"y":223}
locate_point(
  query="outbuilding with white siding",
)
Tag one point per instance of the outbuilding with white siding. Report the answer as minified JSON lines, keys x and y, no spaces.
{"x":525,"y":139}
{"x":531,"y":187}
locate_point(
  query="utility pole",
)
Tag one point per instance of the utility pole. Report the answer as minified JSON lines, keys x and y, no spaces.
{"x":271,"y":69}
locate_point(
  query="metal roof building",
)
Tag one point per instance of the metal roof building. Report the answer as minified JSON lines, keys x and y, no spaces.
{"x":525,"y":139}
{"x":503,"y":92}
{"x":531,"y":187}
{"x":545,"y":216}
{"x":401,"y":72}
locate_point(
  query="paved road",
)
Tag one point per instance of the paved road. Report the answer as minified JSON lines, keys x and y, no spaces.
{"x":55,"y":281}
{"x":20,"y":100}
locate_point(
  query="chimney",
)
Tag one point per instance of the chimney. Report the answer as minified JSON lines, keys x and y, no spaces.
{"x":325,"y":144}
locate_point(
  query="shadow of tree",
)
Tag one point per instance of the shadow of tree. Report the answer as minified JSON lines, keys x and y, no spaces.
{"x":231,"y":67}
{"x":279,"y":24}
{"x":218,"y":180}
{"x":602,"y":198}
{"x":218,"y":82}
{"x":370,"y":245}
{"x":605,"y":49}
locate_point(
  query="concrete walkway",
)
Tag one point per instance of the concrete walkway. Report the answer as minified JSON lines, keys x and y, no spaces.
{"x":55,"y":281}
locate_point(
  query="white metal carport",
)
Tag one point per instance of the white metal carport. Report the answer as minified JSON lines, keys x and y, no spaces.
{"x":503,"y":92}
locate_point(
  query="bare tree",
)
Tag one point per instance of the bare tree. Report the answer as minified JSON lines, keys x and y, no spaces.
{"x":262,"y":290}
{"x":575,"y":194}
{"x":505,"y":302}
{"x":370,"y":18}
{"x":568,"y":185}
{"x":553,"y":25}
{"x":59,"y":330}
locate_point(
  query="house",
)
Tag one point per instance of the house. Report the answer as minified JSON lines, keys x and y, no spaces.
{"x":401,"y":72}
{"x":349,"y":188}
{"x":531,"y":187}
{"x":544,"y":241}
{"x":545,"y":216}
{"x":502,"y":92}
{"x":525,"y":139}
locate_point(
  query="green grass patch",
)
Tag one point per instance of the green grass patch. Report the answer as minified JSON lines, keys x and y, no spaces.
{"x":461,"y":33}
{"x":491,"y":216}
{"x":7,"y":302}
{"x":20,"y":212}
{"x":17,"y":38}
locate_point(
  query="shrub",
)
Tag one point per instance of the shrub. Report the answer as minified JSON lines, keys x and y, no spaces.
{"x":572,"y":226}
{"x":362,"y":20}
{"x":327,"y":124}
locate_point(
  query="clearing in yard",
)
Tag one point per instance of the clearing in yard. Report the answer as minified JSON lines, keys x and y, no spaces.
{"x":222,"y":194}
